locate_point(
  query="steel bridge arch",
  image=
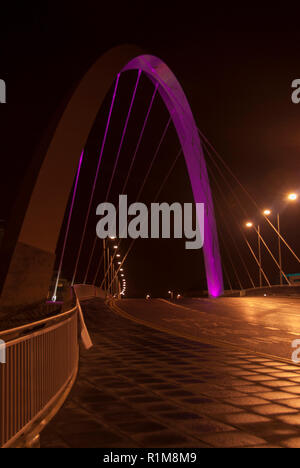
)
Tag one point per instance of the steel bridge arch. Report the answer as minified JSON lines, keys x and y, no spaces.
{"x":28,"y":249}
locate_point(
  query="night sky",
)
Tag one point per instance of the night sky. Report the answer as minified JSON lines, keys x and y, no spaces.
{"x":236,"y":65}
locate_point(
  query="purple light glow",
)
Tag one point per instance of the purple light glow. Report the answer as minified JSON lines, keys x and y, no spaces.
{"x":115,"y":165}
{"x":181,"y":114}
{"x":96,"y":176}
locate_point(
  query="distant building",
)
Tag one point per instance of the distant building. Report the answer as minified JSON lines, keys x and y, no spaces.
{"x":294,"y":278}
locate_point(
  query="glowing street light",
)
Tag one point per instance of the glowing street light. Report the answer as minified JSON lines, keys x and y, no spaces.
{"x":115,"y":246}
{"x":118,"y":255}
{"x":249,"y":224}
{"x":267,"y":212}
{"x":292,"y":196}
{"x":171,"y":294}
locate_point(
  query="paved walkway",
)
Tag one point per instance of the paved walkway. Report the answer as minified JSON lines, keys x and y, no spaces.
{"x":138,"y":387}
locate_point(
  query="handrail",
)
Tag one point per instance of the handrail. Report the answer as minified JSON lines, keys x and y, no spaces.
{"x":31,"y":325}
{"x":40,"y":369}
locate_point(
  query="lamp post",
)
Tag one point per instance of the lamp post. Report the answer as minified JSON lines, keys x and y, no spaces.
{"x":249,"y":225}
{"x":104,"y":265}
{"x":279,"y":248}
{"x":290,"y":197}
{"x":267,"y":213}
{"x":259,"y":255}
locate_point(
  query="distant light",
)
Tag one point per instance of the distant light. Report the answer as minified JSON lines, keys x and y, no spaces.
{"x":122,"y":274}
{"x":249,"y":224}
{"x":178,"y":296}
{"x":292,"y":196}
{"x":267,"y":212}
{"x":119,"y":263}
{"x":169,"y":292}
{"x":121,"y":269}
{"x":148,"y":296}
{"x":265,"y":295}
{"x":115,"y":246}
{"x":112,"y":237}
{"x":118,"y":255}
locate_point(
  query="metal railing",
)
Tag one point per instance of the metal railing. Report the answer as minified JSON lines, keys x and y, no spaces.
{"x":40,"y":368}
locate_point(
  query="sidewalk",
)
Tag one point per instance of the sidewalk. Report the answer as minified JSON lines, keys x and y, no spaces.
{"x":138,"y":387}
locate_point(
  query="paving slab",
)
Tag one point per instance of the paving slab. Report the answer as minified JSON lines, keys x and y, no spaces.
{"x":141,"y":387}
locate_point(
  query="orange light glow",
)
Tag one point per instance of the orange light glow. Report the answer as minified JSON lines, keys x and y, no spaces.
{"x":267,"y":212}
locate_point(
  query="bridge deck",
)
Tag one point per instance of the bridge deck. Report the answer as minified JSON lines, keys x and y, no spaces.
{"x":139,"y":387}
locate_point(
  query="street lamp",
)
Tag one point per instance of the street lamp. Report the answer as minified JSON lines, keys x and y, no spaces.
{"x":290,"y":197}
{"x":171,"y":294}
{"x":249,"y":225}
{"x":267,"y":212}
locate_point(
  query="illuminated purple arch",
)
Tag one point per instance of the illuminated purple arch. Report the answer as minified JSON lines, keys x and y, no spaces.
{"x":29,"y":247}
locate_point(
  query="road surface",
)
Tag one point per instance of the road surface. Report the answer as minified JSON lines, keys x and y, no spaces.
{"x":140,"y":387}
{"x":260,"y":324}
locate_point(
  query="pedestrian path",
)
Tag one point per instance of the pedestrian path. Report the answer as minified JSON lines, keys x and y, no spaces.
{"x":139,"y":387}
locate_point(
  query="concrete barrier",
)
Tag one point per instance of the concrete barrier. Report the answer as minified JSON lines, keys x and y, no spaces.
{"x":280,"y":290}
{"x":88,"y":291}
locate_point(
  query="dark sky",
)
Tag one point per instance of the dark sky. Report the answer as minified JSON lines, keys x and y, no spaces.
{"x":236,"y":65}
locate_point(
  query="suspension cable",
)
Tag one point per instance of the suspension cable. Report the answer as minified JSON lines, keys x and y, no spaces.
{"x":131,"y":164}
{"x":231,"y":261}
{"x":68,"y":228}
{"x":227,"y":276}
{"x":277,"y":264}
{"x":246,"y":192}
{"x":227,"y":167}
{"x":229,"y":232}
{"x":234,"y":217}
{"x":258,"y":263}
{"x":283,"y":240}
{"x":115,"y":165}
{"x":96,"y":177}
{"x":147,"y":174}
{"x":140,"y":138}
{"x":159,"y":191}
{"x":150,"y":166}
